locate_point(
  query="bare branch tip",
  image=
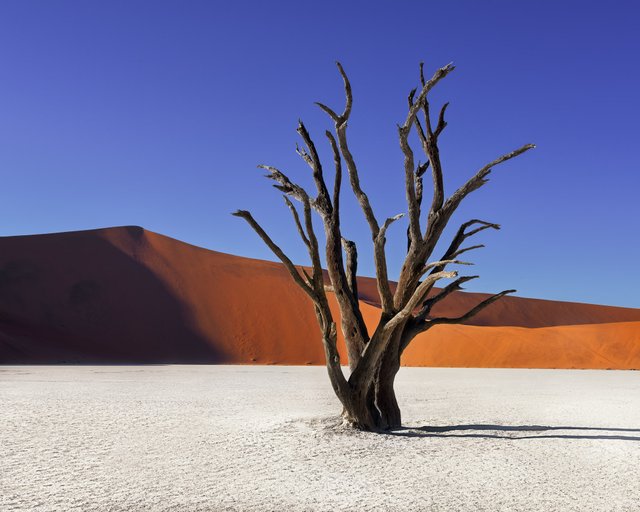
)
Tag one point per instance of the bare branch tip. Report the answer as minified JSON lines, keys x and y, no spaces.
{"x":411,"y":96}
{"x":328,"y":111}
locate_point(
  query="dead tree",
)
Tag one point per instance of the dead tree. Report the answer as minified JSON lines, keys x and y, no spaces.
{"x":367,"y":395}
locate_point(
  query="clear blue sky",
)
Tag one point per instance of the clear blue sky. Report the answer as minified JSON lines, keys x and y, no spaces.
{"x":156,"y":114}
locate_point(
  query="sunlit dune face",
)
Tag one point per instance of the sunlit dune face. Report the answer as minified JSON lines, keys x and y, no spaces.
{"x":130,"y":295}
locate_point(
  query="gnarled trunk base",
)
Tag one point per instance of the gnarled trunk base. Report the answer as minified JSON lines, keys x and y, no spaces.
{"x":376,"y":409}
{"x":387,"y":404}
{"x":358,"y":414}
{"x":374,"y":416}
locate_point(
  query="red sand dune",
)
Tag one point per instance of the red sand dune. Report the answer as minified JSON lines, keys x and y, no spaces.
{"x":126,"y":295}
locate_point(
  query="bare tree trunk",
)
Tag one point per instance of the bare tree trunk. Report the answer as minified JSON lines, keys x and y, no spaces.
{"x":385,"y":393}
{"x":376,"y":407}
{"x":357,"y":412}
{"x":373,"y":408}
{"x":368,"y":397}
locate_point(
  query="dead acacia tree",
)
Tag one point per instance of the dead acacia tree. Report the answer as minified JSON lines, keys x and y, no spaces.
{"x":367,"y":395}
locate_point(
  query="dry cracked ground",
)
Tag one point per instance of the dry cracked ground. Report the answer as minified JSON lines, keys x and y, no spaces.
{"x":217,"y":438}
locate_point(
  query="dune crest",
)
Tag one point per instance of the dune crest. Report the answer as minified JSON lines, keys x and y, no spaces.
{"x":128,"y":295}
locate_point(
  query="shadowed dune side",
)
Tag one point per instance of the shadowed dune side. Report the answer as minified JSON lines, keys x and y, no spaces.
{"x":90,"y":297}
{"x":126,"y":295}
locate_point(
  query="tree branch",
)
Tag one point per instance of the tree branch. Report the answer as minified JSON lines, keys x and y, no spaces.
{"x":384,"y":290}
{"x":381,"y":338}
{"x":314,"y":252}
{"x":461,"y":235}
{"x":454,"y":250}
{"x":404,"y":130}
{"x":422,"y":289}
{"x":466,"y":249}
{"x":323,"y":201}
{"x":419,"y":129}
{"x":284,"y":184}
{"x":419,"y":325}
{"x":338,"y":177}
{"x":331,"y":354}
{"x":307,"y":276}
{"x":428,"y":304}
{"x":430,"y":147}
{"x":442,"y":124}
{"x":296,"y":219}
{"x":480,"y":177}
{"x":441,"y":264}
{"x":277,"y":251}
{"x":410,"y":186}
{"x":341,"y":131}
{"x":473,"y":312}
{"x":353,"y":325}
{"x":363,"y":200}
{"x":351,"y":251}
{"x":426,"y":87}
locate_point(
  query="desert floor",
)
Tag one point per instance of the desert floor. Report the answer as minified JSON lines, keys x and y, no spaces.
{"x":216,"y":438}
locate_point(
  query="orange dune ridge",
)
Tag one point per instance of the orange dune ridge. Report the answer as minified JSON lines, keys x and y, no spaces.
{"x":127,"y":295}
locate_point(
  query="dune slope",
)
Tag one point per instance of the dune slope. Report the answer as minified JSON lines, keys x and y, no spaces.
{"x":127,"y":295}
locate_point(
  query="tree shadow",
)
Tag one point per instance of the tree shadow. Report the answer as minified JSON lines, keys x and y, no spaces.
{"x":516,"y":432}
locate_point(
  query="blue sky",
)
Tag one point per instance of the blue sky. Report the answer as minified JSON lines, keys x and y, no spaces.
{"x":156,"y":114}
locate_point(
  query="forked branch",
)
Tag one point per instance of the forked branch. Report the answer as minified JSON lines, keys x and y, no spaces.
{"x":404,"y":130}
{"x":419,"y":324}
{"x":443,"y":294}
{"x":341,"y":132}
{"x":472,"y":312}
{"x":382,"y":337}
{"x":453,"y":251}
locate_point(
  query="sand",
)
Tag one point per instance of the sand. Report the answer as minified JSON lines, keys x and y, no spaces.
{"x":216,"y":438}
{"x":130,"y":295}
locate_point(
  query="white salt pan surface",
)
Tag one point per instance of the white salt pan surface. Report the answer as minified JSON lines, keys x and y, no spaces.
{"x":215,"y":438}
